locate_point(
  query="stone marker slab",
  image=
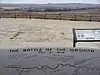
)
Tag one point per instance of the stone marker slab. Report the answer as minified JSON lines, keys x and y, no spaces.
{"x":49,"y":61}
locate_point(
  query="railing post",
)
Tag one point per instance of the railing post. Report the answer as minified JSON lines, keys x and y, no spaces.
{"x":75,"y":17}
{"x":15,"y":15}
{"x":60,"y":16}
{"x":30,"y":15}
{"x":45,"y":15}
{"x":90,"y":18}
{"x":0,"y":15}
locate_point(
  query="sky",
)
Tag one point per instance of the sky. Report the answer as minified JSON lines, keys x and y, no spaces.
{"x":50,"y":1}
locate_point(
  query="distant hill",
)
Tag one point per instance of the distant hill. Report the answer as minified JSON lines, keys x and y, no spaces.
{"x":58,"y":5}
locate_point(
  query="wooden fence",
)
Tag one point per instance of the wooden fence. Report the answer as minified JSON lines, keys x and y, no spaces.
{"x":58,"y":16}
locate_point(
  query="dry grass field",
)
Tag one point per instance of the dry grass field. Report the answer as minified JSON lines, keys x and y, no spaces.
{"x":41,"y":33}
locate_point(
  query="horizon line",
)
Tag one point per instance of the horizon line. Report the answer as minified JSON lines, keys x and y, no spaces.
{"x":50,"y":3}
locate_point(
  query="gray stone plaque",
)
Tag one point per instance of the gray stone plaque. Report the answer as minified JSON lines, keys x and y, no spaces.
{"x":50,"y":61}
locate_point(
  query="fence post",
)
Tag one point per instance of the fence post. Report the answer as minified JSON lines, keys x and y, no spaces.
{"x":15,"y":15}
{"x":45,"y":15}
{"x":30,"y":15}
{"x":0,"y":15}
{"x":90,"y":18}
{"x":60,"y":16}
{"x":75,"y":17}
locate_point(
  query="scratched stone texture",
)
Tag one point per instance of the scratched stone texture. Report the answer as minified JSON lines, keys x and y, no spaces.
{"x":49,"y":62}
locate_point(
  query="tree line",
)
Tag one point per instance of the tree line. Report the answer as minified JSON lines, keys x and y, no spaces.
{"x":49,"y":9}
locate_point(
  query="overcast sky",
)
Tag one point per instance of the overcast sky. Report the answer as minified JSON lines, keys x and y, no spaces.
{"x":50,"y":1}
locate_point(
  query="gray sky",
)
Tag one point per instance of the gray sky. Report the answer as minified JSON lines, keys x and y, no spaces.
{"x":50,"y":1}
